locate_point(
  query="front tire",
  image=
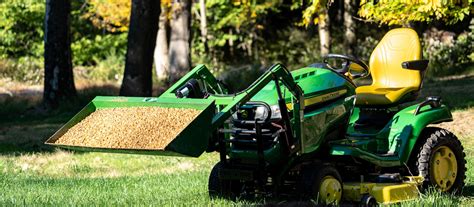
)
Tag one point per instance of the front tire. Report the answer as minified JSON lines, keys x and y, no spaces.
{"x":440,"y":159}
{"x":321,"y":183}
{"x":219,"y":188}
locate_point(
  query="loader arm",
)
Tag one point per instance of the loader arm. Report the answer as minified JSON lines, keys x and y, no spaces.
{"x":227,"y":104}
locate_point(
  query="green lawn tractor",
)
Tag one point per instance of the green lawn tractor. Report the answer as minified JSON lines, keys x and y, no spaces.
{"x":312,"y":134}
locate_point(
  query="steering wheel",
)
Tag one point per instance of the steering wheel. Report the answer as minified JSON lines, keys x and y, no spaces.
{"x":346,"y":65}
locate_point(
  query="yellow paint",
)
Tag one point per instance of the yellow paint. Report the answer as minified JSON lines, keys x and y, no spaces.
{"x":411,"y":111}
{"x":390,"y":81}
{"x":320,"y":99}
{"x":384,"y":193}
{"x":330,"y":191}
{"x":444,"y":167}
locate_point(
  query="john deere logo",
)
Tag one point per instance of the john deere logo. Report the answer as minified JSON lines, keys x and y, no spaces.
{"x":244,"y":114}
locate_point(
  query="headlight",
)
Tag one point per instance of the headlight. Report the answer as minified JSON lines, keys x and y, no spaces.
{"x":261,"y":113}
{"x":276,"y":114}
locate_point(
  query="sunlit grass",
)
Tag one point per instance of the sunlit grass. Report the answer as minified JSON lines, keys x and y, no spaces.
{"x":65,"y":164}
{"x":64,"y":178}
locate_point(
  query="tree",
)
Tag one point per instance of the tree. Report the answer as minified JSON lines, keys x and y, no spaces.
{"x":324,"y":25}
{"x":317,"y":13}
{"x":349,"y":28}
{"x":203,"y":23}
{"x":58,"y":75}
{"x":180,"y":40}
{"x":162,"y":42}
{"x":402,"y":12}
{"x":137,"y":80}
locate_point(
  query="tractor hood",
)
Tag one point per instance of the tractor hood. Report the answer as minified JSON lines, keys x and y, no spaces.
{"x":318,"y":84}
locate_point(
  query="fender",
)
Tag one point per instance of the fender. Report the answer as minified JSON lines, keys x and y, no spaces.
{"x":406,"y":127}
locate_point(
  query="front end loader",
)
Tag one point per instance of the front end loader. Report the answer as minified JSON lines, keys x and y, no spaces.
{"x":312,"y":134}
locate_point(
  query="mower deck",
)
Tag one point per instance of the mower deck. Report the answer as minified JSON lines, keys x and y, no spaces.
{"x":383,"y":193}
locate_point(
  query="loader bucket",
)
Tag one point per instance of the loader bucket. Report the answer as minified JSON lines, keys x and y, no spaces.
{"x":191,"y":140}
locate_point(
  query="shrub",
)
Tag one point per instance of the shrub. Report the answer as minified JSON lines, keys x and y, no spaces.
{"x":21,"y":28}
{"x":448,"y":55}
{"x":24,"y":69}
{"x":90,"y":51}
{"x":109,"y":68}
{"x":293,"y":47}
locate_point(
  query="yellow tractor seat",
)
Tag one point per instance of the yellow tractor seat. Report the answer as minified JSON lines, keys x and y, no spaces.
{"x":372,"y":95}
{"x":396,"y":69}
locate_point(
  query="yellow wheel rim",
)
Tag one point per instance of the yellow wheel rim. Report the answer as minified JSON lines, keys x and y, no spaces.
{"x":444,"y":167}
{"x":330,"y":191}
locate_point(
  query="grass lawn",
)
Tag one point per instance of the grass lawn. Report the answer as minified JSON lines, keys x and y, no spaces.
{"x":34,"y":174}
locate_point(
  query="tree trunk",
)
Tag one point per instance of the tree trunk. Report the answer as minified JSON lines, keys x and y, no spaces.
{"x":349,"y":28}
{"x":180,"y":43}
{"x":162,"y":44}
{"x":203,"y":23}
{"x":58,"y":75}
{"x":137,"y":80}
{"x":231,"y":42}
{"x":324,"y":34}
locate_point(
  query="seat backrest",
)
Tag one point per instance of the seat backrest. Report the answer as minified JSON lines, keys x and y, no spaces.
{"x":397,"y":46}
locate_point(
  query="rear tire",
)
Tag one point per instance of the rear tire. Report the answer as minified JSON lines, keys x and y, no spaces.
{"x":321,"y":183}
{"x":439,"y":157}
{"x":228,"y":189}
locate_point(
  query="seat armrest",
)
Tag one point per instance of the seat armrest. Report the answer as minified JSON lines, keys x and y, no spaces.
{"x":420,"y":65}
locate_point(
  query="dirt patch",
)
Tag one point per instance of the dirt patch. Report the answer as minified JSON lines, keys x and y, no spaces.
{"x":462,"y":124}
{"x":129,"y":128}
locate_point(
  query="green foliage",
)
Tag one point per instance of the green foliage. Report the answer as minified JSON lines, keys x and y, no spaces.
{"x":241,"y":34}
{"x":293,"y":47}
{"x":21,"y":28}
{"x":402,"y":12}
{"x":234,"y":27}
{"x":24,"y":69}
{"x":90,"y":51}
{"x":111,"y":67}
{"x":315,"y":11}
{"x":365,"y":47}
{"x":21,"y":42}
{"x":249,"y":36}
{"x":239,"y":77}
{"x":112,"y":15}
{"x":240,"y":14}
{"x":449,"y":56}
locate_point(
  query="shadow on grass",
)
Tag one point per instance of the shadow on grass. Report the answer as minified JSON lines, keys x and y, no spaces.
{"x":468,"y":191}
{"x":29,"y":138}
{"x":26,"y":109}
{"x":25,"y":124}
